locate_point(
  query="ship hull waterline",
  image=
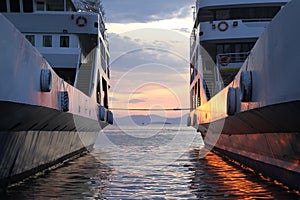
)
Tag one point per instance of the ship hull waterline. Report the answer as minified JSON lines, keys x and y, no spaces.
{"x":39,"y":137}
{"x":263,"y":132}
{"x":274,"y":154}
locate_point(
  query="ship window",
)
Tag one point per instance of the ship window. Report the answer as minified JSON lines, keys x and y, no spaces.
{"x":98,"y":95}
{"x":47,"y":41}
{"x":105,"y":97}
{"x":40,"y":5}
{"x":227,"y":48}
{"x":220,"y":49}
{"x":222,"y":14}
{"x":3,"y":6}
{"x":27,"y":6}
{"x":70,"y":6}
{"x":14,"y":6}
{"x":234,"y":48}
{"x":103,"y":61}
{"x":55,"y":5}
{"x":31,"y":39}
{"x":64,"y":41}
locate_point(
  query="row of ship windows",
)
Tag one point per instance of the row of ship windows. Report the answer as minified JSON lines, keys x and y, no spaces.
{"x":234,"y":47}
{"x":239,"y":13}
{"x":14,"y":6}
{"x":247,"y":13}
{"x":47,"y":40}
{"x":40,"y":5}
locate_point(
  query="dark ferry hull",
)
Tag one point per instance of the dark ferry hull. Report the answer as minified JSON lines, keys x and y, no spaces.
{"x":264,"y":132}
{"x":272,"y":147}
{"x":39,"y":127}
{"x":37,"y":137}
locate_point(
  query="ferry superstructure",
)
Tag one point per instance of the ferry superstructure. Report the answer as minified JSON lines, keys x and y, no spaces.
{"x":244,"y":92}
{"x":54,"y":82}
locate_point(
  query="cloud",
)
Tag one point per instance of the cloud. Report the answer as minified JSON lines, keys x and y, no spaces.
{"x":134,"y":101}
{"x":166,"y":48}
{"x":127,"y":11}
{"x":152,"y":53}
{"x":183,"y":30}
{"x":112,"y":98}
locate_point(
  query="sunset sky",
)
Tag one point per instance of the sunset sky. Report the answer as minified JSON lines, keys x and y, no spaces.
{"x":149,"y":49}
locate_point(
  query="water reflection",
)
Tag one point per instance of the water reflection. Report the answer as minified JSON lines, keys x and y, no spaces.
{"x":188,"y":177}
{"x":83,"y":178}
{"x":215,"y":178}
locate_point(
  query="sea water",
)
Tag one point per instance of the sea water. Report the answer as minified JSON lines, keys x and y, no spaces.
{"x":149,"y":162}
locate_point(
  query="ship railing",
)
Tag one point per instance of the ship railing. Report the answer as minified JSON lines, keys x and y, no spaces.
{"x":192,"y":42}
{"x":257,"y":20}
{"x":230,"y":60}
{"x":102,"y":26}
{"x":193,"y":38}
{"x":197,"y":5}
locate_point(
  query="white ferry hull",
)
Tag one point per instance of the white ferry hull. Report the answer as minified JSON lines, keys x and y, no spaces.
{"x":265,"y":132}
{"x":34,"y":131}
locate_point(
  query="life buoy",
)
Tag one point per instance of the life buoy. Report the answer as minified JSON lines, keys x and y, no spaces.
{"x":223,"y":26}
{"x":224,"y":60}
{"x":81,"y":21}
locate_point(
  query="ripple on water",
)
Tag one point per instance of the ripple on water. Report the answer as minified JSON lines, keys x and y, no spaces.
{"x":110,"y":174}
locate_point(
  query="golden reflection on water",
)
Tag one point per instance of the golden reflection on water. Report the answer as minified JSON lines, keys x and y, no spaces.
{"x":224,"y":180}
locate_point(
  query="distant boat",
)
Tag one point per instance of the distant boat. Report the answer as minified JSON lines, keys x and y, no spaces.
{"x":244,"y":85}
{"x":54,"y":81}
